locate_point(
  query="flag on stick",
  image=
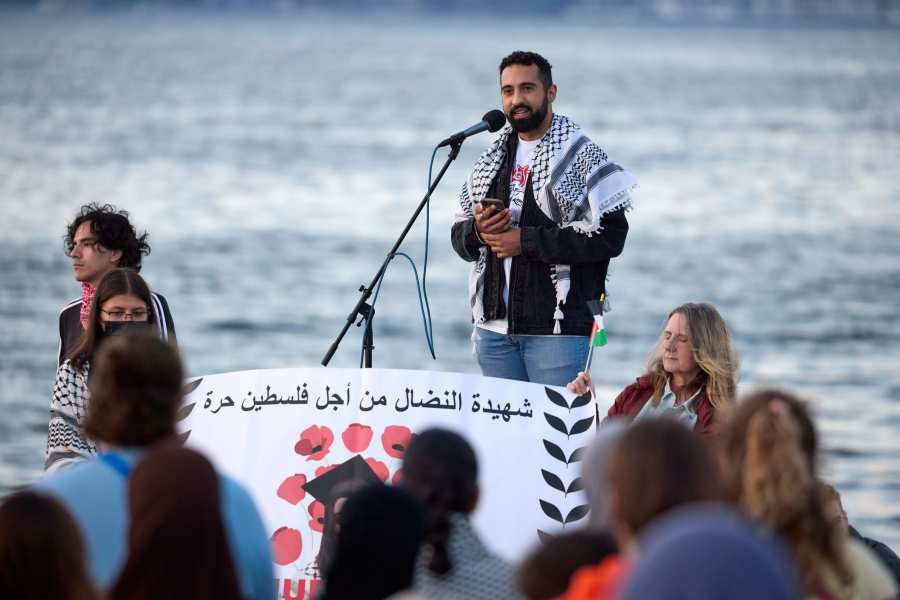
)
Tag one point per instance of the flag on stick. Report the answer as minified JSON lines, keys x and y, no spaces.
{"x":598,"y":331}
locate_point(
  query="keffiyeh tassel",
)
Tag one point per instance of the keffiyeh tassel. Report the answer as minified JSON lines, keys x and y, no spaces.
{"x":560,"y":274}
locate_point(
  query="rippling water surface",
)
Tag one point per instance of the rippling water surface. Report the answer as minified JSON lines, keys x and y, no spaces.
{"x":275,"y":160}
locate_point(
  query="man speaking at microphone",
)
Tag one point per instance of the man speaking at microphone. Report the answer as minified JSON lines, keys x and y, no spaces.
{"x":541,"y":215}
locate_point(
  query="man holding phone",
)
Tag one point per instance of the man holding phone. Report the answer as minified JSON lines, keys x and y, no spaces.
{"x":542,"y":213}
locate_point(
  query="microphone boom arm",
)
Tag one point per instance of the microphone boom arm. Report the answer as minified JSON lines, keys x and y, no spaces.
{"x":362,"y":308}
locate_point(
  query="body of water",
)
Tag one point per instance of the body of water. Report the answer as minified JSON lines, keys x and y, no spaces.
{"x":274,"y":161}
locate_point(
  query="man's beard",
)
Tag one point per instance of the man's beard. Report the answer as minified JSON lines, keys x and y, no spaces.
{"x":532,"y":121}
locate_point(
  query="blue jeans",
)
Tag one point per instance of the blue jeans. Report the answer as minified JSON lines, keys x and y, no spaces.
{"x":547,"y":359}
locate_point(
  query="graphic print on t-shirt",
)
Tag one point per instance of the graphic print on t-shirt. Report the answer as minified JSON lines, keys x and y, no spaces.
{"x":519,"y":177}
{"x":518,"y":181}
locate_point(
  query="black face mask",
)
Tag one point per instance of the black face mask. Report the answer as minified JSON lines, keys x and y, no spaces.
{"x":118,"y":327}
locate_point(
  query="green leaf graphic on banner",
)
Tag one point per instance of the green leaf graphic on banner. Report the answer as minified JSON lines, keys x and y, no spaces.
{"x":582,"y":425}
{"x":577,"y":513}
{"x":183,"y":437}
{"x":553,"y":481}
{"x":557,"y":424}
{"x":184,"y":411}
{"x":575,"y":486}
{"x":575,"y":456}
{"x":581,"y":400}
{"x":555,"y":451}
{"x":556,"y":398}
{"x":551,"y":511}
{"x":544,"y":536}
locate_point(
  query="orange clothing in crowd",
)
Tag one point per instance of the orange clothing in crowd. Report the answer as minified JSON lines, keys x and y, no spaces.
{"x":598,"y":582}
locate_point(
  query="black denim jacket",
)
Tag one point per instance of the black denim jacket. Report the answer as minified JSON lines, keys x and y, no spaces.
{"x":532,"y":295}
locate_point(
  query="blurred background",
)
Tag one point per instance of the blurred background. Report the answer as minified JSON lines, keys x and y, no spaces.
{"x":274,"y":150}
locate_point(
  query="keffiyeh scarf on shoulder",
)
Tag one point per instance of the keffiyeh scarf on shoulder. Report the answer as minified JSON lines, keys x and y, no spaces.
{"x":575,"y":185}
{"x":66,"y":442}
{"x":87,"y":298}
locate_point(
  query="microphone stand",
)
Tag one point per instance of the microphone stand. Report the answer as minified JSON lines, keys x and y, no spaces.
{"x":364,"y":310}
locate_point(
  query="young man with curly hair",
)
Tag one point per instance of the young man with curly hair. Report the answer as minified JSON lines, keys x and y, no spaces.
{"x":100,"y":239}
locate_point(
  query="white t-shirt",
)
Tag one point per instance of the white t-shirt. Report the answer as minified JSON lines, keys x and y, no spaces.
{"x":518,"y":180}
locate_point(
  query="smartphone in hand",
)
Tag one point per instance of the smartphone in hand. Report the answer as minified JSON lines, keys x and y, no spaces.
{"x":494,"y":202}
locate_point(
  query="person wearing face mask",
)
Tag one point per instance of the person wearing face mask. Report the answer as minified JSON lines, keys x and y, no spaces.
{"x":121,"y":302}
{"x":691,"y":373}
{"x":99,"y":239}
{"x":137,"y":388}
{"x":541,"y":215}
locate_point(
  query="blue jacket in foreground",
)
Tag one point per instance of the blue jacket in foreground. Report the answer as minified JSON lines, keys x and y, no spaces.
{"x":97,"y":496}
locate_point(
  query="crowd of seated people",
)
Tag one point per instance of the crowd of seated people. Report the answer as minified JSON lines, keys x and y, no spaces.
{"x":694,"y":493}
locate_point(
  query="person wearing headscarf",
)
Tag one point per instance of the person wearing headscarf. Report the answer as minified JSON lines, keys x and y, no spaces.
{"x":177,"y":547}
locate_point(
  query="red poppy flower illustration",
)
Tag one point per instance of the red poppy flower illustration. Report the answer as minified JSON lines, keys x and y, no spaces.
{"x":395,"y":439}
{"x":357,"y":437}
{"x":379,"y":468}
{"x":314,"y":442}
{"x":317,"y":512}
{"x":397,"y":478}
{"x":324,"y":469}
{"x":286,"y":545}
{"x":291,"y":489}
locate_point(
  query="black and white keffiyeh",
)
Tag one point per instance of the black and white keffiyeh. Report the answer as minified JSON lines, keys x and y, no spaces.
{"x":575,"y":185}
{"x":66,"y":442}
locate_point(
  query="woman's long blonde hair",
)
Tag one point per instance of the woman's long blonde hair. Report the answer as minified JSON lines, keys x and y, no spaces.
{"x":713,"y":352}
{"x":771,"y":449}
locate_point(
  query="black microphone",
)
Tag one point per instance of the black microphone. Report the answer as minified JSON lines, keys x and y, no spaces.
{"x":492,"y":121}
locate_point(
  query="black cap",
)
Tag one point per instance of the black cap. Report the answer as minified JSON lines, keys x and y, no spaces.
{"x":356,"y":469}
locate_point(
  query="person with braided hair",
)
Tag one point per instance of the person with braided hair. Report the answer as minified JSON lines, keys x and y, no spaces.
{"x":440,"y":468}
{"x":770,"y":464}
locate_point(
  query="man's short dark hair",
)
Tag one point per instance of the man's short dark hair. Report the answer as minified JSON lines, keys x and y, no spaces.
{"x":114,"y":232}
{"x":527,"y":59}
{"x":136,"y":389}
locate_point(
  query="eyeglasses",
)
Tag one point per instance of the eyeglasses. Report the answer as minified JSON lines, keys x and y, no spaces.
{"x":139,"y":314}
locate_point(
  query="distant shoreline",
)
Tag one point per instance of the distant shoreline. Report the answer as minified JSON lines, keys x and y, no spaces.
{"x":864,"y":15}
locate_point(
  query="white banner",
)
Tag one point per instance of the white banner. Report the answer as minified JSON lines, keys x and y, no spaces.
{"x":277,"y":431}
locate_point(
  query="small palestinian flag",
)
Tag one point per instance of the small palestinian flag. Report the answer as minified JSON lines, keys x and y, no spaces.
{"x":598,"y":332}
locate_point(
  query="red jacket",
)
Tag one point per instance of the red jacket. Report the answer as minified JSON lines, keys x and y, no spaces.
{"x":633,"y":398}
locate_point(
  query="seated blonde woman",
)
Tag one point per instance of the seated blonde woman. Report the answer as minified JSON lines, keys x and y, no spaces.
{"x":691,"y":372}
{"x":770,"y":466}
